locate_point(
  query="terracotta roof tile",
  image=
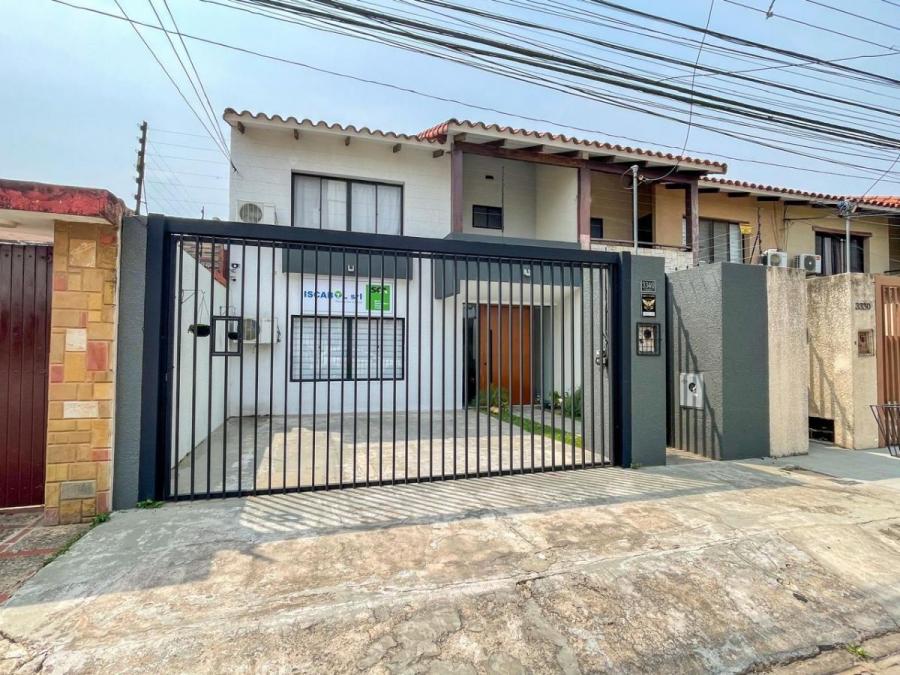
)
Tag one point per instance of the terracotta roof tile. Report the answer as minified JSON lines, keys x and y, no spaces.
{"x":64,"y":200}
{"x":890,"y":202}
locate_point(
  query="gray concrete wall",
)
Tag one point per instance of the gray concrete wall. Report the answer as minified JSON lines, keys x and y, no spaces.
{"x":842,"y":383}
{"x":129,"y":348}
{"x":788,"y":361}
{"x":647,"y":374}
{"x":718,"y":327}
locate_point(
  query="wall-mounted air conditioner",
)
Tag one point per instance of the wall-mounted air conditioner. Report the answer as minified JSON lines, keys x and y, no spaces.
{"x":774,"y":258}
{"x":260,"y":333}
{"x":809,"y":262}
{"x":256,"y":212}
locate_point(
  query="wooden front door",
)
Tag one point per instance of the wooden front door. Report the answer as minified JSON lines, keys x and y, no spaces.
{"x":504,"y":351}
{"x":887,"y":340}
{"x":25,"y":290}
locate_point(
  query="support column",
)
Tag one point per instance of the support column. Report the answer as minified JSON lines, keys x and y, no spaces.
{"x":692,"y":218}
{"x":584,"y":207}
{"x":456,"y":190}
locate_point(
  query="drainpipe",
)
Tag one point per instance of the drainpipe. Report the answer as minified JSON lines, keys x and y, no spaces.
{"x":634,"y":207}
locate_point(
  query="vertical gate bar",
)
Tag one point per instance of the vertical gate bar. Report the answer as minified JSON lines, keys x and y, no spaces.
{"x":489,"y":345}
{"x":196,"y":298}
{"x":380,"y":346}
{"x":209,"y":371}
{"x":532,"y":351}
{"x":592,"y":365}
{"x":574,"y":381}
{"x":369,"y":322}
{"x":227,"y":364}
{"x":300,"y":373}
{"x":455,"y":338}
{"x":604,"y":336}
{"x":553,"y":363}
{"x":346,"y":367}
{"x":407,"y":316}
{"x":500,"y":365}
{"x":394,"y":302}
{"x":288,"y":345}
{"x":419,"y":376}
{"x":328,"y":323}
{"x":509,"y":382}
{"x":443,"y":363}
{"x":256,"y":373}
{"x":317,"y":364}
{"x":543,"y":362}
{"x":177,"y":375}
{"x":241,"y":380}
{"x":431,"y":372}
{"x":271,"y":364}
{"x":354,"y":375}
{"x":476,"y":336}
{"x":522,"y":366}
{"x":467,"y":347}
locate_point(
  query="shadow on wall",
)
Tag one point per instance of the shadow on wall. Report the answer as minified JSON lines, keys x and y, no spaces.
{"x":695,"y":430}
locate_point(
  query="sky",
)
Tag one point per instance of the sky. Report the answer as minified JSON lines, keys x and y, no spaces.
{"x":77,"y":85}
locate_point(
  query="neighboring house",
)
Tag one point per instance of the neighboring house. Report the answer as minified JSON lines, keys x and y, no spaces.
{"x":58,"y":302}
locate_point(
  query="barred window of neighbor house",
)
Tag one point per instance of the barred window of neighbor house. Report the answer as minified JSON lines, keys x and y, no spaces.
{"x":831,"y":247}
{"x":345,"y":348}
{"x":720,"y":241}
{"x":344,"y":204}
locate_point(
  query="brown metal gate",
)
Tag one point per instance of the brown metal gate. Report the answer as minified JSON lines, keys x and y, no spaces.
{"x":887,"y":328}
{"x":25,"y":289}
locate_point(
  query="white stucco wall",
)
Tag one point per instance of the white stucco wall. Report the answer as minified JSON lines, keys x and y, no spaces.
{"x":556,"y":218}
{"x":266,"y":158}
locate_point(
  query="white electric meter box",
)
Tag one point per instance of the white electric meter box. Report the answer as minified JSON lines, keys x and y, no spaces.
{"x":691,"y":390}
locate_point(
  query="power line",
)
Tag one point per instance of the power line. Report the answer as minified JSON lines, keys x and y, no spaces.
{"x":848,"y":13}
{"x":165,"y":70}
{"x":447,"y":99}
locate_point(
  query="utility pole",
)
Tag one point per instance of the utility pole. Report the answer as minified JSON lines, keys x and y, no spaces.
{"x":845,"y":208}
{"x":142,"y":148}
{"x":634,"y":207}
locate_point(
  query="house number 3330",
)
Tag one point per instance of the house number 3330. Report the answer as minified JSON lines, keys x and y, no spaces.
{"x":864,"y":305}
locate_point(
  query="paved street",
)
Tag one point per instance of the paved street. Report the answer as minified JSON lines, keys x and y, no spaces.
{"x":704,"y":566}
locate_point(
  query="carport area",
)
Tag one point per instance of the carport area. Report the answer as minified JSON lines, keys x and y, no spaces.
{"x":291,"y":451}
{"x":710,"y":566}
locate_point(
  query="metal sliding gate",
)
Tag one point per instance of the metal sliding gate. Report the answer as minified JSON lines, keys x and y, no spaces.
{"x":299,"y":360}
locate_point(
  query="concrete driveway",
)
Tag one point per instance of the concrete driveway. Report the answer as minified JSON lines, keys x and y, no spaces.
{"x":709,"y":567}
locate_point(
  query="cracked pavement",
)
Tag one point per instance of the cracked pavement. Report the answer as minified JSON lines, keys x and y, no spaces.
{"x":708,"y":567}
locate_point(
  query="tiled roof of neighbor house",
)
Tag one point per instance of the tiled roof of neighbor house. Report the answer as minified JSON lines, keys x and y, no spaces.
{"x":873,"y":201}
{"x":439,"y":135}
{"x":442,"y":130}
{"x":63,"y":200}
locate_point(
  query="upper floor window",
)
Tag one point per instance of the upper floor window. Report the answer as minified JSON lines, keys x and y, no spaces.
{"x":720,"y":241}
{"x":831,"y":247}
{"x":487,"y":217}
{"x":347,"y":204}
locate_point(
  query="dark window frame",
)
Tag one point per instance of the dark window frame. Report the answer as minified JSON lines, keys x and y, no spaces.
{"x":488,"y":212}
{"x":217,"y":319}
{"x":349,"y":187}
{"x":836,"y":241}
{"x":348,"y":375}
{"x":596,"y":222}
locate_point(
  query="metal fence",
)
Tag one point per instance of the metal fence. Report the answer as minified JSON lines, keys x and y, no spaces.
{"x":329,"y":360}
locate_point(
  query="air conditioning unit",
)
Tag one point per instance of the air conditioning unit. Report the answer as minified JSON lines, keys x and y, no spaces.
{"x":774,"y":258}
{"x":256,"y":212}
{"x":809,"y":262}
{"x":260,"y":333}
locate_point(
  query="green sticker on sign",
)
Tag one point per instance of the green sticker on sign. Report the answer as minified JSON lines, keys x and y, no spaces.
{"x":378,"y":298}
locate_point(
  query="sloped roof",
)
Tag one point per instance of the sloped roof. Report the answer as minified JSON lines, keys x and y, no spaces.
{"x":888,"y":202}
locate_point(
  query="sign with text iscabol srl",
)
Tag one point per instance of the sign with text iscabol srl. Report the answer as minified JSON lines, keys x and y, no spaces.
{"x":347,"y":299}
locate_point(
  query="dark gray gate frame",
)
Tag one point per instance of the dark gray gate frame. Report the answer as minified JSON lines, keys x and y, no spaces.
{"x":155,"y":426}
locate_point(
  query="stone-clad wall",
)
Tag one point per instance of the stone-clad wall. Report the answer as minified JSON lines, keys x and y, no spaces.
{"x":82,"y":358}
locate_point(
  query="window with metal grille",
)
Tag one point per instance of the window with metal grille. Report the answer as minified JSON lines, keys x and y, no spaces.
{"x":831,"y":248}
{"x":720,"y":241}
{"x":346,"y":348}
{"x":487,"y":217}
{"x":344,"y":204}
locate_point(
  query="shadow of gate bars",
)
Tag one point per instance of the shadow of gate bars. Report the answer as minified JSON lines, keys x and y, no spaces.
{"x":323,"y":359}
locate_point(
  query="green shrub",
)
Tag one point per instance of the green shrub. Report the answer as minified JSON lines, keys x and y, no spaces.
{"x":493,"y":397}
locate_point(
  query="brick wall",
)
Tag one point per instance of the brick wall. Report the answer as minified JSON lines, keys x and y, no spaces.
{"x":82,"y":354}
